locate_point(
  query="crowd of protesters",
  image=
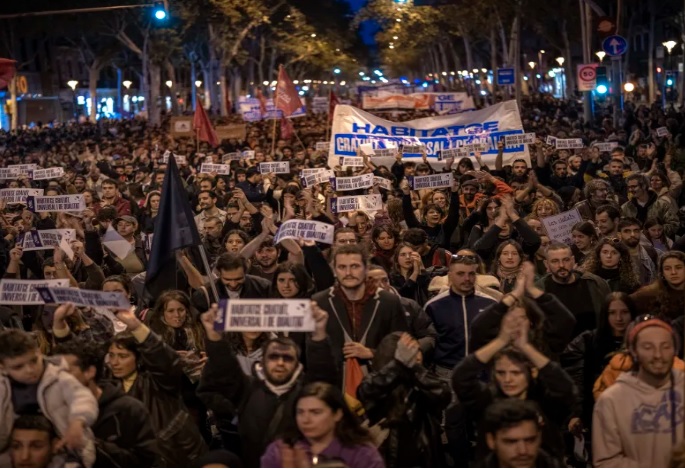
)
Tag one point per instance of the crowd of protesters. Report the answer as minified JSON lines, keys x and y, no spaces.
{"x":469,"y":335}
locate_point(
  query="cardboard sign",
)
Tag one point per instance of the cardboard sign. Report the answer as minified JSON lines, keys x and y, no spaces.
{"x":23,"y":292}
{"x":352,"y":161}
{"x":559,"y":226}
{"x":24,"y":168}
{"x":48,"y":173}
{"x":276,"y":167}
{"x":367,"y":203}
{"x":248,"y":154}
{"x":352,"y":183}
{"x":116,"y":243}
{"x":222,"y":169}
{"x":235,"y":156}
{"x":317,"y":178}
{"x":454,"y":153}
{"x":180,"y":159}
{"x":80,"y":297}
{"x":265,"y":315}
{"x":382,"y":182}
{"x":605,"y":146}
{"x":233,"y":131}
{"x":414,"y":148}
{"x":181,"y":126}
{"x":37,"y":240}
{"x":568,"y":143}
{"x":477,"y":147}
{"x":322,"y":146}
{"x":662,"y":132}
{"x":519,"y":139}
{"x":18,"y":196}
{"x":305,"y":229}
{"x":551,"y":140}
{"x":9,"y":173}
{"x":56,"y":203}
{"x":431,"y":181}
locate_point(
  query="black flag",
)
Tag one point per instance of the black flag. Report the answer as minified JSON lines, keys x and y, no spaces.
{"x":175,"y":228}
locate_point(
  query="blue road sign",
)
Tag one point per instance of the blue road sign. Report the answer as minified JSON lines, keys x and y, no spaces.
{"x":505,"y":76}
{"x":615,"y":45}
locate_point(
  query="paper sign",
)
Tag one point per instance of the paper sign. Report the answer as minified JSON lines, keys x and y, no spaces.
{"x":322,"y":146}
{"x":80,"y":297}
{"x":367,"y":203}
{"x":412,"y":149}
{"x":276,"y":167}
{"x":265,"y":315}
{"x":305,"y":229}
{"x":48,"y":173}
{"x":215,"y":168}
{"x":519,"y":139}
{"x":9,"y":173}
{"x":454,"y":153}
{"x":56,"y":203}
{"x":551,"y":140}
{"x":24,"y":168}
{"x":317,"y":178}
{"x":181,"y":126}
{"x":180,"y":159}
{"x":18,"y":196}
{"x":567,"y":143}
{"x":235,"y":156}
{"x":227,"y":132}
{"x":66,"y":248}
{"x":431,"y":181}
{"x":23,"y":292}
{"x":310,"y":171}
{"x":248,"y":154}
{"x":352,"y":183}
{"x":116,"y":243}
{"x":605,"y":146}
{"x":353,"y":161}
{"x":559,"y":226}
{"x":662,"y":131}
{"x":37,"y":240}
{"x":382,"y":182}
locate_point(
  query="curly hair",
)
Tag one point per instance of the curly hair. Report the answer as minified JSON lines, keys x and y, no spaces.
{"x":545,"y":201}
{"x":628,"y":281}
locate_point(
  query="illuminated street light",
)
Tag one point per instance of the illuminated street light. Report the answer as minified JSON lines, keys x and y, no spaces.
{"x":391,"y":46}
{"x":395,"y":37}
{"x":313,"y":34}
{"x":669,"y":45}
{"x":629,"y":87}
{"x":542,"y":51}
{"x":531,"y":65}
{"x":265,"y":83}
{"x":601,"y":54}
{"x":72,"y":84}
{"x":169,"y":83}
{"x":560,"y":61}
{"x":127,"y":83}
{"x":343,"y":83}
{"x":361,"y":74}
{"x":198,"y":83}
{"x":484,"y":70}
{"x":336,"y":71}
{"x":475,"y":70}
{"x":378,"y":72}
{"x":399,"y":20}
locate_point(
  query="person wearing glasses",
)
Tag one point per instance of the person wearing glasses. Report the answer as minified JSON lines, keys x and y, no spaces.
{"x":637,"y":422}
{"x":645,"y":203}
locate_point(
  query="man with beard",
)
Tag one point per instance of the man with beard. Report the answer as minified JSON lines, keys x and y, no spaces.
{"x":112,"y":198}
{"x":645,"y":204}
{"x":606,"y":220}
{"x":582,"y":293}
{"x":638,"y":420}
{"x":596,"y":194}
{"x":264,"y":402}
{"x":211,"y":238}
{"x":644,"y":261}
{"x":265,"y":259}
{"x":207,"y":201}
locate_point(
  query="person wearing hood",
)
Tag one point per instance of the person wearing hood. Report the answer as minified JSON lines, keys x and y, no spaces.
{"x":123,"y":434}
{"x":265,"y":401}
{"x":637,"y":422}
{"x":645,"y":204}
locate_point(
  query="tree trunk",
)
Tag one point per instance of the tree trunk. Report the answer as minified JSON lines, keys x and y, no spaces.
{"x":209,"y":85}
{"x":650,"y":55}
{"x":14,"y":109}
{"x":223,"y":90}
{"x":569,"y":76}
{"x":212,"y":86}
{"x":503,"y":39}
{"x":262,"y":51}
{"x":493,"y":57}
{"x":171,"y":75}
{"x":153,"y":107}
{"x":93,"y":75}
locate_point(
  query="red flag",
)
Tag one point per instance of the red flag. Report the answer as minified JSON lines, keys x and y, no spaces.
{"x":8,"y":68}
{"x":332,"y":102}
{"x":203,"y":127}
{"x":262,"y":101}
{"x":287,"y":130}
{"x":287,"y":99}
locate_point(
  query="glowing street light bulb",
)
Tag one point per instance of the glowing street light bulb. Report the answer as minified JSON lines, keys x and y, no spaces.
{"x":560,"y":61}
{"x":669,"y":45}
{"x":127,"y":83}
{"x":72,"y":84}
{"x":531,"y":65}
{"x":169,"y":83}
{"x":629,"y":87}
{"x":601,"y":54}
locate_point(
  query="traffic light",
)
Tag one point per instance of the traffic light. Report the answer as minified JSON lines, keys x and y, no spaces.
{"x":160,"y":10}
{"x":602,"y":86}
{"x":670,"y":78}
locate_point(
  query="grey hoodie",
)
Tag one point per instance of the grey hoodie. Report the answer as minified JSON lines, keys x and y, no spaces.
{"x":632,"y":424}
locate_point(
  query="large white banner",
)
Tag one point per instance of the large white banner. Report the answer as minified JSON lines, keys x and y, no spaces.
{"x":439,"y":102}
{"x":353,"y":127}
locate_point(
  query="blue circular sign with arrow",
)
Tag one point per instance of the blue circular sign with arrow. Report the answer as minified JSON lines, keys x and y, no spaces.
{"x":615,"y":45}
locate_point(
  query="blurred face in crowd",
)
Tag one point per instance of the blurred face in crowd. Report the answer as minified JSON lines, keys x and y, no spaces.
{"x":267,"y":257}
{"x":280,"y":363}
{"x":221,"y":184}
{"x":656,"y":183}
{"x":212,"y":229}
{"x":174,"y":314}
{"x":509,"y":258}
{"x":491,"y":210}
{"x":440,"y":200}
{"x":635,"y":189}
{"x":615,"y":168}
{"x":560,"y":169}
{"x":345,"y":238}
{"x":544,"y":209}
{"x":206,"y":201}
{"x":619,"y":317}
{"x":79,"y":184}
{"x":405,"y":258}
{"x":582,"y":241}
{"x":126,"y":229}
{"x":609,"y":257}
{"x":234,"y":243}
{"x":154,"y":203}
{"x":31,"y":448}
{"x":516,"y":446}
{"x":560,"y":263}
{"x":206,"y":185}
{"x":433,"y":217}
{"x":605,"y":224}
{"x":246,"y":221}
{"x":536,"y":225}
{"x":113,"y":286}
{"x":511,"y":377}
{"x":655,"y":231}
{"x":519,"y":168}
{"x":469,"y":192}
{"x":122,"y":361}
{"x":385,"y":241}
{"x":231,"y":211}
{"x":287,"y":285}
{"x":574,"y":162}
{"x":315,"y":419}
{"x":599,"y":195}
{"x":26,"y":368}
{"x":88,"y":198}
{"x":109,"y":191}
{"x":462,"y":278}
{"x":381,"y":278}
{"x":49,"y":272}
{"x":630,"y":235}
{"x":655,"y":351}
{"x":673,"y":271}
{"x":233,"y":279}
{"x":159,"y":179}
{"x":350,"y":270}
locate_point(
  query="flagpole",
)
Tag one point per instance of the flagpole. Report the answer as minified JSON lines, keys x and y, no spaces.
{"x":298,"y":138}
{"x":205,"y":262}
{"x":197,"y":140}
{"x":273,"y":140}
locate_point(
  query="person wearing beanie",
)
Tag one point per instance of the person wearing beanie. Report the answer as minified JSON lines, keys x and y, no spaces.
{"x":637,"y":422}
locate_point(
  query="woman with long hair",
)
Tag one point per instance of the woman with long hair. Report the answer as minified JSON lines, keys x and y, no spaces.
{"x":584,"y":237}
{"x":665,"y":297}
{"x":544,"y":207}
{"x":654,"y":232}
{"x":507,"y":264}
{"x":291,"y":281}
{"x":92,"y":200}
{"x":588,"y":354}
{"x":611,"y":260}
{"x":384,"y":238}
{"x":464,"y":166}
{"x":325,"y":432}
{"x":235,"y":241}
{"x":487,"y":213}
{"x":408,"y":274}
{"x":150,"y":210}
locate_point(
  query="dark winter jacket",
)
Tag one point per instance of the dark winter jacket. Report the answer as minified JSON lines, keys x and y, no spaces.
{"x":521,"y":232}
{"x":253,"y":288}
{"x":439,"y":234}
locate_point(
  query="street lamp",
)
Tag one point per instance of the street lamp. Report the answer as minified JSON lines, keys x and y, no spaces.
{"x":531,"y":65}
{"x":560,"y":61}
{"x":169,"y":83}
{"x":669,"y":45}
{"x":72,"y":84}
{"x":336,"y":71}
{"x":629,"y":87}
{"x":198,"y":83}
{"x":127,"y":84}
{"x":601,"y":54}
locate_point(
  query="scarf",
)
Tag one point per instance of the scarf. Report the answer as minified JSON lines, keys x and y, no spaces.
{"x":506,"y":276}
{"x":278,"y":389}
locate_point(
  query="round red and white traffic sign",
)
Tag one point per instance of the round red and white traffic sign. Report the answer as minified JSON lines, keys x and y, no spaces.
{"x":587,"y":73}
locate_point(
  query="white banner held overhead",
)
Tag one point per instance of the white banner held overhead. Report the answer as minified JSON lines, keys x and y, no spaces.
{"x":24,"y":168}
{"x":9,"y":173}
{"x":662,"y":131}
{"x":305,"y":229}
{"x":551,"y":140}
{"x":352,"y":161}
{"x":180,"y":159}
{"x":18,"y":196}
{"x":48,"y":173}
{"x":559,"y":226}
{"x":235,"y":156}
{"x":568,"y":143}
{"x":276,"y":167}
{"x":79,"y":297}
{"x":223,"y":169}
{"x":516,"y":140}
{"x":56,"y":203}
{"x":454,"y":153}
{"x":353,"y":127}
{"x":431,"y":181}
{"x":352,"y":183}
{"x":23,"y":292}
{"x":249,"y":154}
{"x":37,"y":240}
{"x":322,"y":146}
{"x":367,"y":203}
{"x":309,"y":180}
{"x":605,"y":146}
{"x":382,"y":182}
{"x":265,"y":315}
